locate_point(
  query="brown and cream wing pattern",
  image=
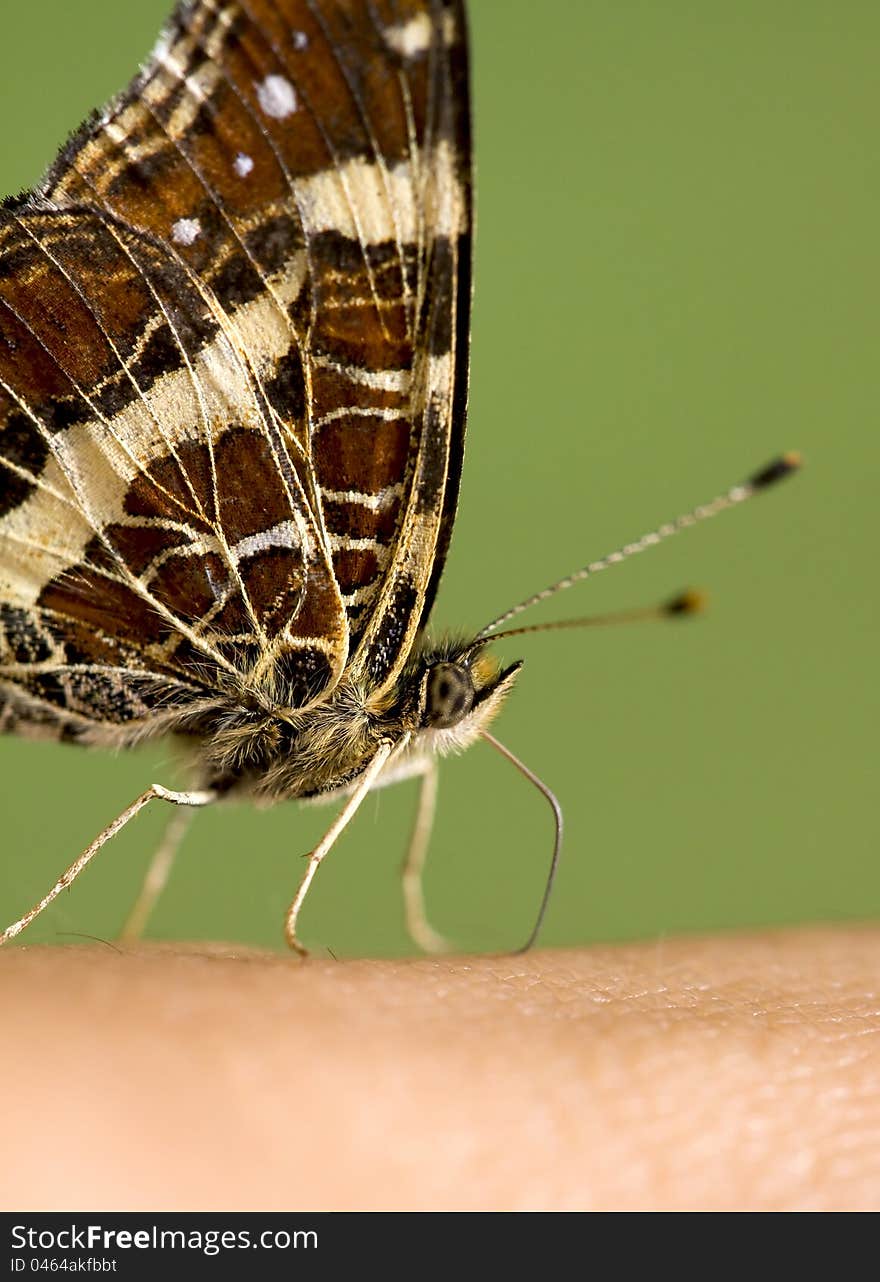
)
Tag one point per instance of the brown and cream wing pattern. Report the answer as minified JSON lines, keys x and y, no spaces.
{"x":233,"y":365}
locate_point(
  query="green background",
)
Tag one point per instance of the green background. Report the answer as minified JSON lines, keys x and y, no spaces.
{"x":676,"y":278}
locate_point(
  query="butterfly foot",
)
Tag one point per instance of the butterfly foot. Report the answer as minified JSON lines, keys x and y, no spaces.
{"x":428,"y":940}
{"x":293,"y":942}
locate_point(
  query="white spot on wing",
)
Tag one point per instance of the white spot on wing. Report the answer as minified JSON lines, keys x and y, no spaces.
{"x":409,"y":39}
{"x":243,"y":165}
{"x":300,"y":40}
{"x":276,"y":97}
{"x":186,"y":230}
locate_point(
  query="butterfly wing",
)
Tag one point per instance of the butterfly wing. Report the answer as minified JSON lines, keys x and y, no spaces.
{"x":233,"y":345}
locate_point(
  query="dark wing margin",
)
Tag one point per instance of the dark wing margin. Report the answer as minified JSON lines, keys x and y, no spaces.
{"x":463,"y":293}
{"x":229,"y":445}
{"x":440,"y":361}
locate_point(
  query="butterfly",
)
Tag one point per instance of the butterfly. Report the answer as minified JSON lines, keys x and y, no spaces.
{"x":234,"y":328}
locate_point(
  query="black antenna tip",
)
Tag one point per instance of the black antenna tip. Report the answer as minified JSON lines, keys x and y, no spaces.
{"x":688,"y":602}
{"x":781,"y":467}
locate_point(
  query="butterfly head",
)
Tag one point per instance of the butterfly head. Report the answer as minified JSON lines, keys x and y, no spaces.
{"x":454,"y":691}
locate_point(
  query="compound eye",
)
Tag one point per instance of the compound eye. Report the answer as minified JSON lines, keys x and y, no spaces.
{"x":449,"y":695}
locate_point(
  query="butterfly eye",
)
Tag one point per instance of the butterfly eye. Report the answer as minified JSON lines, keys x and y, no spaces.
{"x":449,"y":695}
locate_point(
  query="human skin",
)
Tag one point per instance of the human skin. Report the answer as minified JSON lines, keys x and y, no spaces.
{"x":738,"y":1071}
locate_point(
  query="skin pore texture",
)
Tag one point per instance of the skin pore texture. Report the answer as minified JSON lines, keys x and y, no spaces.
{"x":725,"y":1072}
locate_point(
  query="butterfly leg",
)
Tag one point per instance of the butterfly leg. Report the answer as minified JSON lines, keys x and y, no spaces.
{"x":419,"y":929}
{"x":346,"y":814}
{"x":157,"y":875}
{"x":67,"y":878}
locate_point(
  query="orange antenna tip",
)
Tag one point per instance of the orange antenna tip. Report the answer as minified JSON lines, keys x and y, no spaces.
{"x":781,"y":467}
{"x":688,"y":602}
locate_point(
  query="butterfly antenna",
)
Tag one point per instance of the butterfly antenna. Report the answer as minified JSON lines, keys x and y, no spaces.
{"x":755,"y":484}
{"x":557,"y":840}
{"x":690,"y":601}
